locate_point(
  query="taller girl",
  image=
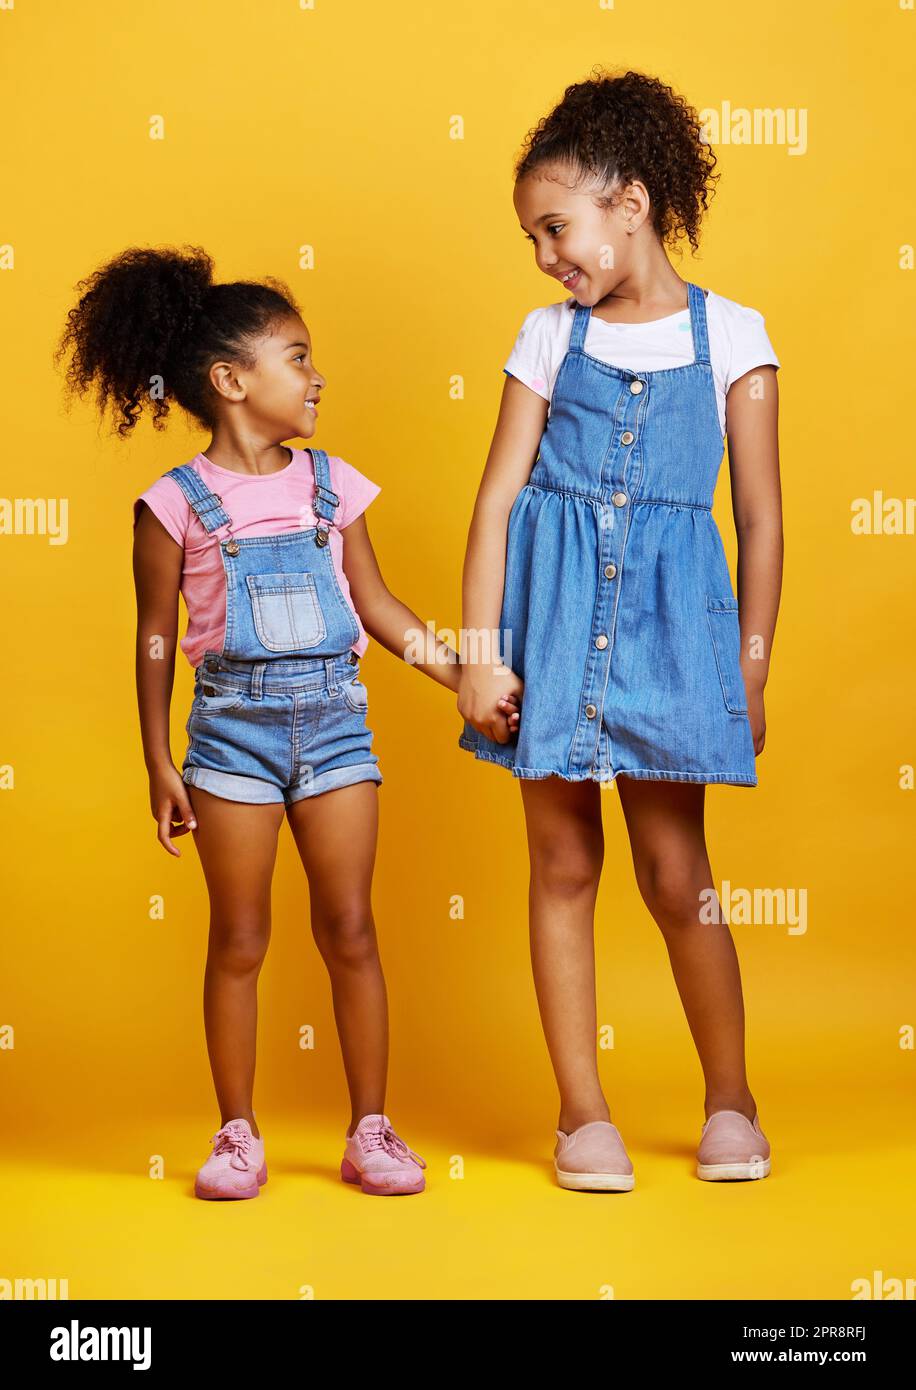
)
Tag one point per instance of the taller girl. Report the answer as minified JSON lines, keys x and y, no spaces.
{"x":603,"y":567}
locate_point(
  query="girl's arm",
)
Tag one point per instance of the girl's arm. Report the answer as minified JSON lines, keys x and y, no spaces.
{"x":514,"y":448}
{"x":751,"y":412}
{"x":158,"y":561}
{"x":386,"y":618}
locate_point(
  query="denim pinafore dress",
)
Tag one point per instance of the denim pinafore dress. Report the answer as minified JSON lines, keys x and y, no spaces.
{"x":618,"y":609}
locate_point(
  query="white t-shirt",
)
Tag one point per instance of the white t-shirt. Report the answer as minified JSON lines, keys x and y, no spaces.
{"x":737,"y":342}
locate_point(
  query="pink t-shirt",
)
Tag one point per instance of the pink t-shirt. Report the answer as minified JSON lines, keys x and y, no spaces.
{"x":259,"y":506}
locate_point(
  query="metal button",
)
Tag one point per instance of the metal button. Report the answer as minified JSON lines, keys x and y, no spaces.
{"x":232,"y":547}
{"x":321,"y":537}
{"x":627,"y":437}
{"x":636,"y":387}
{"x":610,"y":571}
{"x":619,"y":499}
{"x":591,"y":711}
{"x":601,"y":641}
{"x":211,"y":664}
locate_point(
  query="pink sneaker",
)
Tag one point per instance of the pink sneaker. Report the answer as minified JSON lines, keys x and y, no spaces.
{"x":379,"y":1161}
{"x":236,"y":1167}
{"x":593,"y":1159}
{"x":732,"y":1147}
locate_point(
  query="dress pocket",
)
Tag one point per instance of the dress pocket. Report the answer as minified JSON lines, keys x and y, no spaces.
{"x":286,"y":611}
{"x":725,"y":630}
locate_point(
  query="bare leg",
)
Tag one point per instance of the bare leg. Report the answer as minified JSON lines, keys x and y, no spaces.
{"x":336,"y":833}
{"x":566,"y":852}
{"x":668,"y":843}
{"x":237,"y":843}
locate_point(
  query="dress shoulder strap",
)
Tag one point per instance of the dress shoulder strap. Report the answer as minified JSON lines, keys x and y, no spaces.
{"x":698,"y":327}
{"x":580,"y":327}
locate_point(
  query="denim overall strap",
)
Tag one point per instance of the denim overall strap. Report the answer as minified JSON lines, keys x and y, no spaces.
{"x":207,"y":505}
{"x":697,"y":302}
{"x":326,"y":501}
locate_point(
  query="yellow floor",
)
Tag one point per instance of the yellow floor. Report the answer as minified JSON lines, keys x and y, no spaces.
{"x":836,"y":1208}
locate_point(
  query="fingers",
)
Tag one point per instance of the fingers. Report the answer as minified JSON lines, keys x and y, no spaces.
{"x":183,"y":804}
{"x":501,"y":729}
{"x":164,"y":821}
{"x":509,"y":707}
{"x":178,"y":810}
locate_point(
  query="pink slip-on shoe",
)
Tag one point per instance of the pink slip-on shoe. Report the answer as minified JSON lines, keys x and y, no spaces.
{"x":593,"y":1158}
{"x":732,"y":1147}
{"x":380,"y":1161}
{"x":236,"y":1167}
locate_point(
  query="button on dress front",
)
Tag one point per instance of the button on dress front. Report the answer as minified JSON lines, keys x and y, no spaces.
{"x":618,"y":609}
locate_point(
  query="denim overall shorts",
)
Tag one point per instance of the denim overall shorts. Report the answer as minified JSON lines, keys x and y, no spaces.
{"x":280,"y":713}
{"x":618,"y":610}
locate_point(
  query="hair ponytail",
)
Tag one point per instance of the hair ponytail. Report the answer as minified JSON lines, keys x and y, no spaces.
{"x":150,"y":323}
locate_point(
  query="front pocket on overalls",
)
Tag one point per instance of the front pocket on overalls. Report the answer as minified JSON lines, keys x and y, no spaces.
{"x":725,"y":629}
{"x":286,"y":611}
{"x":208,"y":705}
{"x":356,"y":695}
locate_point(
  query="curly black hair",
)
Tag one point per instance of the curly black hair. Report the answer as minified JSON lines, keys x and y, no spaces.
{"x":616,"y":129}
{"x":149,"y":325}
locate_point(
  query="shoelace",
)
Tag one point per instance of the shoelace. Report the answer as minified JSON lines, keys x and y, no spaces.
{"x":389,"y":1141}
{"x":233,"y":1138}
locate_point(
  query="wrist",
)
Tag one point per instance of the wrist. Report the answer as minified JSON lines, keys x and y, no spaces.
{"x":755,"y":673}
{"x":159,"y":763}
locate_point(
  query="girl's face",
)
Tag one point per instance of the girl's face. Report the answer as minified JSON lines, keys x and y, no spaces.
{"x":572,"y":237}
{"x":284,"y":379}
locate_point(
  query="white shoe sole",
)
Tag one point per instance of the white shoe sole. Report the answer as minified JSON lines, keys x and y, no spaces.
{"x":595,"y":1182}
{"x":727,"y":1172}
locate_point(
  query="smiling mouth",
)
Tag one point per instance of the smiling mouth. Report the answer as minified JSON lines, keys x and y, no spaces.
{"x":312,"y":404}
{"x":569,"y":276}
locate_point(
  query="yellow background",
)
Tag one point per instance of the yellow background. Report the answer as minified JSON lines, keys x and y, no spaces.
{"x":330,"y":127}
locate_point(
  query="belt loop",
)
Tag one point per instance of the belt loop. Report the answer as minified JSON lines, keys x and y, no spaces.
{"x":257,"y":679}
{"x":329,"y":666}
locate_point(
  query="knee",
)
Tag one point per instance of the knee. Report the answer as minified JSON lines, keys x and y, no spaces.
{"x":240,"y":948}
{"x":671,"y":892}
{"x":566,"y":871}
{"x":346,"y":936}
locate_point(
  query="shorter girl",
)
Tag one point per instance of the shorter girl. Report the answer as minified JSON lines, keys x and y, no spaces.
{"x":269,"y":546}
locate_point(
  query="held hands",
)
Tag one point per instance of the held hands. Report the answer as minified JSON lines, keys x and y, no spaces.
{"x":510,"y":706}
{"x":170,"y":803}
{"x":489,"y":698}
